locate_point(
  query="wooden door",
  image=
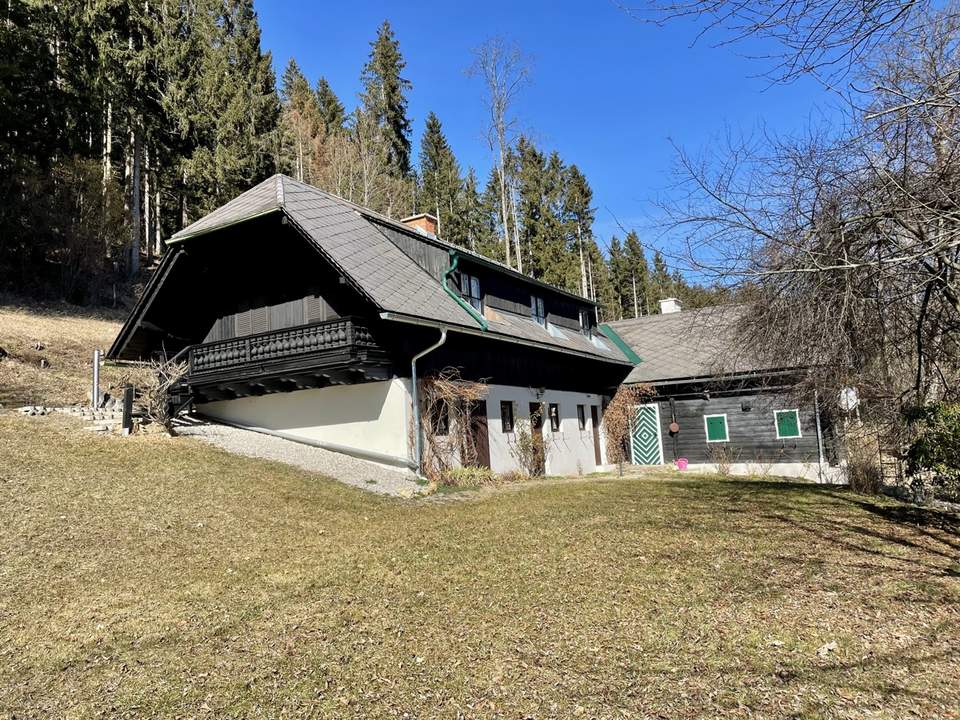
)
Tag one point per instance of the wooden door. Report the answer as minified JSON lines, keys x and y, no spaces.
{"x":595,"y":419}
{"x":479,"y":433}
{"x":646,"y":444}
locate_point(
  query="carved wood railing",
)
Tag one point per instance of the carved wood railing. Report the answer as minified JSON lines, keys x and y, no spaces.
{"x":341,"y":334}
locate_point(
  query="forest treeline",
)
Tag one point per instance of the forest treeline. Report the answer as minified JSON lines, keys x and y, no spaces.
{"x":121,"y":122}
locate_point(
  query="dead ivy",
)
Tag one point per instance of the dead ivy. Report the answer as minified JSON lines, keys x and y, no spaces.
{"x":153,"y":395}
{"x":618,"y":419}
{"x":446,"y":392}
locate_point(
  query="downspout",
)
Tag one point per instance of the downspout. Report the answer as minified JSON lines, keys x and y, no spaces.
{"x":418,"y":450}
{"x":816,"y":410}
{"x":454,"y":261}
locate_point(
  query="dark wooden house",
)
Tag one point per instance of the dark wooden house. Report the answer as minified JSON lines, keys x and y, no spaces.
{"x":715,"y":404}
{"x":302,"y":314}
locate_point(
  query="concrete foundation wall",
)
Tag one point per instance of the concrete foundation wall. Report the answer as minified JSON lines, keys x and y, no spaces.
{"x":371,"y":417}
{"x":801,"y":471}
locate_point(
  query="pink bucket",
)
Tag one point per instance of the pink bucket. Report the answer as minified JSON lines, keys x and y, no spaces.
{"x":681,"y":463}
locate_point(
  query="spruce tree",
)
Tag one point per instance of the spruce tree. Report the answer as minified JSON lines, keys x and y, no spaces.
{"x":579,"y":216}
{"x":384,"y":100}
{"x":544,"y":251}
{"x":478,"y":226}
{"x":638,"y":280}
{"x":300,"y":124}
{"x":619,"y":275}
{"x":240,"y":109}
{"x":661,"y":282}
{"x":490,"y":243}
{"x":440,"y":181}
{"x":600,"y":283}
{"x":332,"y":113}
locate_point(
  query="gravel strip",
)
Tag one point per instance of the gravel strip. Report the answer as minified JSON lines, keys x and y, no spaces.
{"x":345,"y":468}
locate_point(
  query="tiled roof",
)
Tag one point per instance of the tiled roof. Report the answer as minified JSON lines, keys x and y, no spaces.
{"x":344,"y":233}
{"x":688,"y":344}
{"x":257,"y":200}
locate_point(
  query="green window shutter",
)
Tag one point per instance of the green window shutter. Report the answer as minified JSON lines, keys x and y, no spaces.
{"x":716,"y":428}
{"x":788,"y":424}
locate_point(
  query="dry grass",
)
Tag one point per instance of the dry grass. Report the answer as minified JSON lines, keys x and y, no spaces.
{"x":153,"y":576}
{"x":69,"y":335}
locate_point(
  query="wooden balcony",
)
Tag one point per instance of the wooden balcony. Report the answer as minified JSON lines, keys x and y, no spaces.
{"x":334,"y":352}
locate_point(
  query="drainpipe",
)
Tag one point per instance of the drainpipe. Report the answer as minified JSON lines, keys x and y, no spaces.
{"x":454,"y":261}
{"x":418,"y":458}
{"x":816,"y":410}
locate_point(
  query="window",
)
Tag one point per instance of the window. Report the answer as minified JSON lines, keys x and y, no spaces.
{"x":787,"y":423}
{"x":536,"y":310}
{"x":470,"y":290}
{"x":716,"y":428}
{"x":585,"y":322}
{"x":440,"y":418}
{"x":506,"y":415}
{"x":582,"y":417}
{"x":554,"y":417}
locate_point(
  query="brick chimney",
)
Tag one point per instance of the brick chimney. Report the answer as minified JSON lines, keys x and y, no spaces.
{"x":670,"y":305}
{"x":425,"y":222}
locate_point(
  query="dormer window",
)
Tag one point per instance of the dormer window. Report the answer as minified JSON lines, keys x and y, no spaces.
{"x":470,"y":291}
{"x":585,"y":322}
{"x":537,"y":311}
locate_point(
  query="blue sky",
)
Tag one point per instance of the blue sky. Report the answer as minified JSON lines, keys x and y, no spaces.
{"x":608,"y":92}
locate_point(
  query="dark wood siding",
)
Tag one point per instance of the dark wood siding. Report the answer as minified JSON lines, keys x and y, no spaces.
{"x":291,"y":313}
{"x":433,"y":259}
{"x":500,"y":290}
{"x":750,"y":424}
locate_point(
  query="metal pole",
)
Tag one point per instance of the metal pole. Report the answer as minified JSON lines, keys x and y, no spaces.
{"x":95,"y":394}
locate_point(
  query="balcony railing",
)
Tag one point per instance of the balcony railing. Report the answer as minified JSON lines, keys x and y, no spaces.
{"x":341,"y":337}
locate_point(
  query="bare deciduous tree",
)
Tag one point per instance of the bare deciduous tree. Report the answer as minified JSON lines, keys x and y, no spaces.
{"x":826,"y":38}
{"x":504,"y":71}
{"x":848,"y":242}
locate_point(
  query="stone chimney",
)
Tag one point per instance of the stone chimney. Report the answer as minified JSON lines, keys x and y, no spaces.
{"x":670,"y":305}
{"x":425,"y":222}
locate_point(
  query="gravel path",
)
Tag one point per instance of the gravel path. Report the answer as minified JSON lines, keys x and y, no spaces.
{"x":345,"y":468}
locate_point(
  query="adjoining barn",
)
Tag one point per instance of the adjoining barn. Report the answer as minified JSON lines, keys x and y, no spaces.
{"x":302,"y":314}
{"x":716,"y":406}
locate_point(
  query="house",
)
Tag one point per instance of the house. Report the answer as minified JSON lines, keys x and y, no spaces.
{"x":715,"y":404}
{"x":304,"y":315}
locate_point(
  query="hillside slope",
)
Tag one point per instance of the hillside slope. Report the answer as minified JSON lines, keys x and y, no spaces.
{"x":59,"y":372}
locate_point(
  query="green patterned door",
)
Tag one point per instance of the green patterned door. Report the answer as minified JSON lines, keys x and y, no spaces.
{"x":645,"y":445}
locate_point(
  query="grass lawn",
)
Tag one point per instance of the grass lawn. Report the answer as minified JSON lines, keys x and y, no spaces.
{"x":151,"y":576}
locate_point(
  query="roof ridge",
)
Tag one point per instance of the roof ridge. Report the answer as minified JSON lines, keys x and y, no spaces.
{"x":280,"y":177}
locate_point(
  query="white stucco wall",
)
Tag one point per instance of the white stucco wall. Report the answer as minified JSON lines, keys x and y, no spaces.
{"x":372,"y":417}
{"x":569,"y":451}
{"x":376,"y":417}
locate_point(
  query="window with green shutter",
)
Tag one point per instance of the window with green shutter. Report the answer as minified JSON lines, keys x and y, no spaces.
{"x":716,"y":428}
{"x":787,"y":423}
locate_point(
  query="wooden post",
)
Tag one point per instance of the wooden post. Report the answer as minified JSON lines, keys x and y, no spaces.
{"x":127,"y":424}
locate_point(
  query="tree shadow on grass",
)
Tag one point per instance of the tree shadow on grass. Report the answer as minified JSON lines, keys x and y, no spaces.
{"x":922,"y":530}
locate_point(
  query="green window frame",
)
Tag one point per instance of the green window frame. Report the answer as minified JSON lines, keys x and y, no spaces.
{"x":713,"y":425}
{"x":787,"y":424}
